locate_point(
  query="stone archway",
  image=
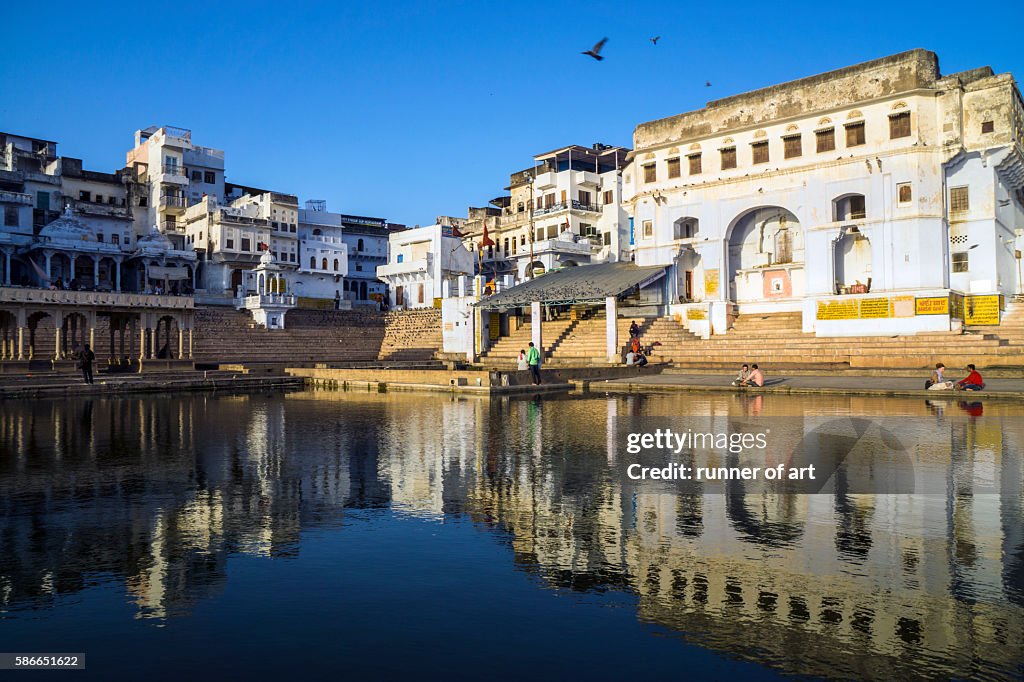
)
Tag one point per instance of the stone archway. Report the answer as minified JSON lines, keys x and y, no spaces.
{"x":41,"y":336}
{"x":74,"y":333}
{"x":852,"y":259}
{"x":166,"y":338}
{"x":757,"y":240}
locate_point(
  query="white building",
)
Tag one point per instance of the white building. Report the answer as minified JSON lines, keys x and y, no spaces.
{"x":323,"y":254}
{"x":424,"y":266}
{"x":863,"y":197}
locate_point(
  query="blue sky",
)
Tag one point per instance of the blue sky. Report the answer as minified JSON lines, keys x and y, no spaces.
{"x":411,"y":110}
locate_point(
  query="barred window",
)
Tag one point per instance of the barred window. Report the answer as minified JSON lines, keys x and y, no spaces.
{"x":899,"y":125}
{"x":960,"y":262}
{"x":694,"y":160}
{"x":791,"y":146}
{"x":959,"y":200}
{"x":650,"y":173}
{"x":673,"y":167}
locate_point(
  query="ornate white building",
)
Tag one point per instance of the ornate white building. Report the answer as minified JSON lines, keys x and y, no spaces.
{"x":863,"y":197}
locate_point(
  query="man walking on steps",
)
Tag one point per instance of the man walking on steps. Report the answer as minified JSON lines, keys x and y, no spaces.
{"x":533,"y":360}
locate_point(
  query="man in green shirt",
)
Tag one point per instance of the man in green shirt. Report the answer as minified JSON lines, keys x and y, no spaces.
{"x":533,"y":360}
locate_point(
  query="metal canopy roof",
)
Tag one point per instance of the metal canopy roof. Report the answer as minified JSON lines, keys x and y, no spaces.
{"x":580,"y":284}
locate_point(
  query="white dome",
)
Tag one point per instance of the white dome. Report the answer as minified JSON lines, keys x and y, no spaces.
{"x":68,"y":228}
{"x":267,"y":258}
{"x":155,"y":240}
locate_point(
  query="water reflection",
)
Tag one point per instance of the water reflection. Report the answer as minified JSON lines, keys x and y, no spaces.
{"x":158,"y":494}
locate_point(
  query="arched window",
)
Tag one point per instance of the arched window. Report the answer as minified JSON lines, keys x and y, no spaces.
{"x":335,"y":264}
{"x":685,"y":228}
{"x":312,"y":262}
{"x":317,"y":232}
{"x":849,"y":207}
{"x":359,"y":245}
{"x":323,"y":265}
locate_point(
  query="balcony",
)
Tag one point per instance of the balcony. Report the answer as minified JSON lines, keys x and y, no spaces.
{"x":93,"y":298}
{"x":101,"y":209}
{"x":564,"y":206}
{"x":580,"y":248}
{"x":406,"y":268}
{"x":15,"y":198}
{"x":257,"y":301}
{"x":173,"y":203}
{"x":587,"y":179}
{"x":547,"y":180}
{"x":174,"y":173}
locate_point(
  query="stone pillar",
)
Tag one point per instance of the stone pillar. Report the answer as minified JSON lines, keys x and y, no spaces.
{"x":57,"y":348}
{"x":142,"y":340}
{"x":536,"y":323}
{"x":95,"y":272}
{"x":21,"y":342}
{"x":190,"y":343}
{"x":117,"y":271}
{"x":153,"y":337}
{"x":73,"y":258}
{"x":92,"y":337}
{"x":611,"y":310}
{"x":7,"y":268}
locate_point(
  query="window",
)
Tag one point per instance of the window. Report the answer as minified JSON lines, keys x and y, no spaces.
{"x":99,"y":199}
{"x":540,"y":234}
{"x":335,"y":264}
{"x":229,"y":243}
{"x":694,"y":160}
{"x":312,"y":262}
{"x":850,"y":207}
{"x":588,"y":230}
{"x":904,"y":193}
{"x":522,"y":240}
{"x":11,"y":216}
{"x":552,"y":231}
{"x":988,"y":126}
{"x":84,"y":196}
{"x":584,"y":197}
{"x":959,"y":200}
{"x":273,"y":225}
{"x":209,"y":177}
{"x":505,"y":246}
{"x":672,"y":165}
{"x":685,"y":228}
{"x":128,"y":240}
{"x":899,"y":125}
{"x":323,"y":264}
{"x":143,"y":202}
{"x":960,"y":262}
{"x":520,"y":207}
{"x":855,"y":134}
{"x":539,"y":204}
{"x":359,"y":245}
{"x":514,"y":246}
{"x":760,"y":151}
{"x":99,"y":236}
{"x":825,"y":140}
{"x":648,"y":229}
{"x":197,"y":176}
{"x":115,"y":239}
{"x":728,"y":158}
{"x":609,"y":197}
{"x":359,"y":267}
{"x":791,"y":147}
{"x":246,"y":244}
{"x":650,"y":173}
{"x":293,"y":228}
{"x":564,"y":197}
{"x":607,"y":238}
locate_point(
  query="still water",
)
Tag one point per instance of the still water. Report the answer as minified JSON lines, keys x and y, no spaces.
{"x":327,"y":534}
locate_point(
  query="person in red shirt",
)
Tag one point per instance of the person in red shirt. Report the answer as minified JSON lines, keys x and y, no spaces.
{"x":972,"y":382}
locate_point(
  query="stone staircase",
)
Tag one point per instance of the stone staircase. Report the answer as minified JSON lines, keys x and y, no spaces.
{"x":411,"y":335}
{"x":225,"y":335}
{"x":505,"y":352}
{"x":777,"y":341}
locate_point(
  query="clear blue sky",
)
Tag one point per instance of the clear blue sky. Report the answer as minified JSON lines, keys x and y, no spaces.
{"x":411,"y":110}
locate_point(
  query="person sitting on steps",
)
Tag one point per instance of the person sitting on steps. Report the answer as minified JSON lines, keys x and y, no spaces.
{"x":755,"y":378}
{"x":742,"y":375}
{"x":972,"y":382}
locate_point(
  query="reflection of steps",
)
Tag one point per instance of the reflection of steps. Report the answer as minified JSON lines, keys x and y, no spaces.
{"x":776,"y":340}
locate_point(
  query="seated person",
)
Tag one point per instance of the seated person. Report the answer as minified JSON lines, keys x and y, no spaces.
{"x":742,"y":375}
{"x":972,"y":382}
{"x":630,"y":358}
{"x":641,"y":359}
{"x":936,"y":382}
{"x":755,"y":378}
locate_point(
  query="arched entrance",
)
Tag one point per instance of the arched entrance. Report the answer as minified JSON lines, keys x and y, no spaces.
{"x":852,"y":261}
{"x":765,"y":255}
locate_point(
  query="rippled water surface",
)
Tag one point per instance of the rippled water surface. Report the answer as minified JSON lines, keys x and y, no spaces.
{"x":335,"y":534}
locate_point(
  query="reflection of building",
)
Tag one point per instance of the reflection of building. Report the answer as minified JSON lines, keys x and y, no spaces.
{"x":882,"y":177}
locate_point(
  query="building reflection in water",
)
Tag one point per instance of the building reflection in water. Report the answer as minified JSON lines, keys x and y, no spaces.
{"x":158,"y":493}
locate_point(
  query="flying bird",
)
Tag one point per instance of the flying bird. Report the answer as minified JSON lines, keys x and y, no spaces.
{"x":595,"y":51}
{"x":707,"y":84}
{"x":655,"y":40}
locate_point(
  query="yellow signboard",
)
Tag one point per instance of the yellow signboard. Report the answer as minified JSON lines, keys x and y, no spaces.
{"x":696,"y":314}
{"x":842,"y":309}
{"x":711,"y":283}
{"x":935,"y":305}
{"x":981,"y":310}
{"x":874,"y":308}
{"x":494,"y":324}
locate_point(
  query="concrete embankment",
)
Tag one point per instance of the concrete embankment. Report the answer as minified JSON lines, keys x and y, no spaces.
{"x":72,"y":386}
{"x":1008,"y":389}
